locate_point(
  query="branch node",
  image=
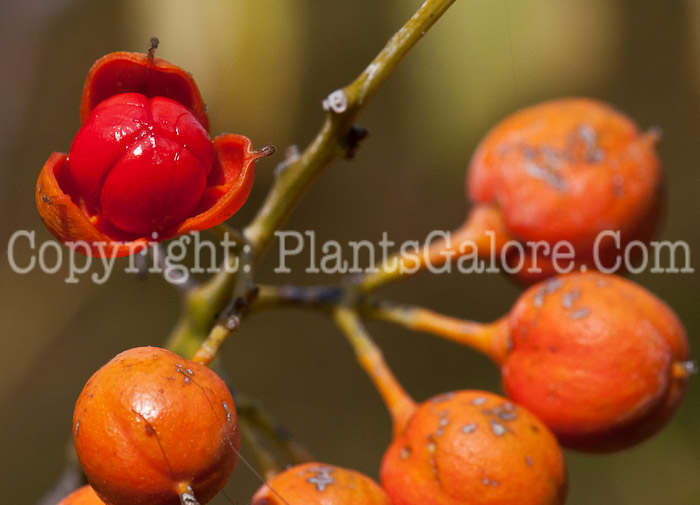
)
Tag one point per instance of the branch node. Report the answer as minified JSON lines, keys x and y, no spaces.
{"x":336,"y":102}
{"x":355,"y":137}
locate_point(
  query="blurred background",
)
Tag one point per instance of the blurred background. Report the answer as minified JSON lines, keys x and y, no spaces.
{"x":263,"y":68}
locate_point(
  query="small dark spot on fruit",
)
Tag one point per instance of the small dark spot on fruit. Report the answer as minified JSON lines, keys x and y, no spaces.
{"x":149,"y":430}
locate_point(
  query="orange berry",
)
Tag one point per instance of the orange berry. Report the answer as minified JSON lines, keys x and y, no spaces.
{"x":150,"y":427}
{"x":568,"y":169}
{"x":598,"y":358}
{"x":476,"y":448}
{"x":82,"y":496}
{"x":320,"y":484}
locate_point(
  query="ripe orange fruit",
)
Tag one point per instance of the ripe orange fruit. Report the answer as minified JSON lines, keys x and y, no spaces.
{"x":82,"y":496}
{"x":320,"y":484}
{"x":151,"y":427}
{"x":567,"y":170}
{"x":597,"y":357}
{"x":476,"y":448}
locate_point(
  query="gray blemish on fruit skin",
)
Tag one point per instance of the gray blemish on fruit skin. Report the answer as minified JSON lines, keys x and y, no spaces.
{"x":432,"y":447}
{"x":489,"y":482}
{"x":539,"y":299}
{"x":580,"y":313}
{"x":444,"y":421}
{"x":568,"y":298}
{"x":322,"y":478}
{"x":528,"y":460}
{"x":552,"y":285}
{"x":618,"y":186}
{"x":506,"y":414}
{"x":441,"y":398}
{"x":478,"y":401}
{"x":497,"y":428}
{"x":228,"y":412}
{"x":545,"y":163}
{"x":589,"y":137}
{"x":469,"y":428}
{"x":405,"y":453}
{"x":181,"y":371}
{"x":189,"y":371}
{"x":77,"y":427}
{"x":551,"y":157}
{"x":547,"y":175}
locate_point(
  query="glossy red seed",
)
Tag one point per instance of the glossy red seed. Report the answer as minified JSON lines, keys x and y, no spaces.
{"x":142,"y":163}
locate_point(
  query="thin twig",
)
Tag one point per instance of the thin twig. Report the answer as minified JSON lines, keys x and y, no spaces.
{"x":400,"y":405}
{"x":338,"y":136}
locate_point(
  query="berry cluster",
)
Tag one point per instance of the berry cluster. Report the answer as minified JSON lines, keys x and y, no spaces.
{"x":589,"y":360}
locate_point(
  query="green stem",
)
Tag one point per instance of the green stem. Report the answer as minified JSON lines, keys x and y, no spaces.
{"x":273,"y":297}
{"x":337,"y":137}
{"x":244,"y":293}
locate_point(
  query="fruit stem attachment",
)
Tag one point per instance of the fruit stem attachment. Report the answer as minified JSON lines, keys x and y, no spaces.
{"x":400,"y":405}
{"x":684,"y":369}
{"x":184,"y":490}
{"x":490,"y":339}
{"x":152,"y":46}
{"x":481,"y":236}
{"x":338,"y":135}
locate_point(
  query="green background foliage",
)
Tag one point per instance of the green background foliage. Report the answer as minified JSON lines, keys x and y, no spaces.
{"x":263,"y":68}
